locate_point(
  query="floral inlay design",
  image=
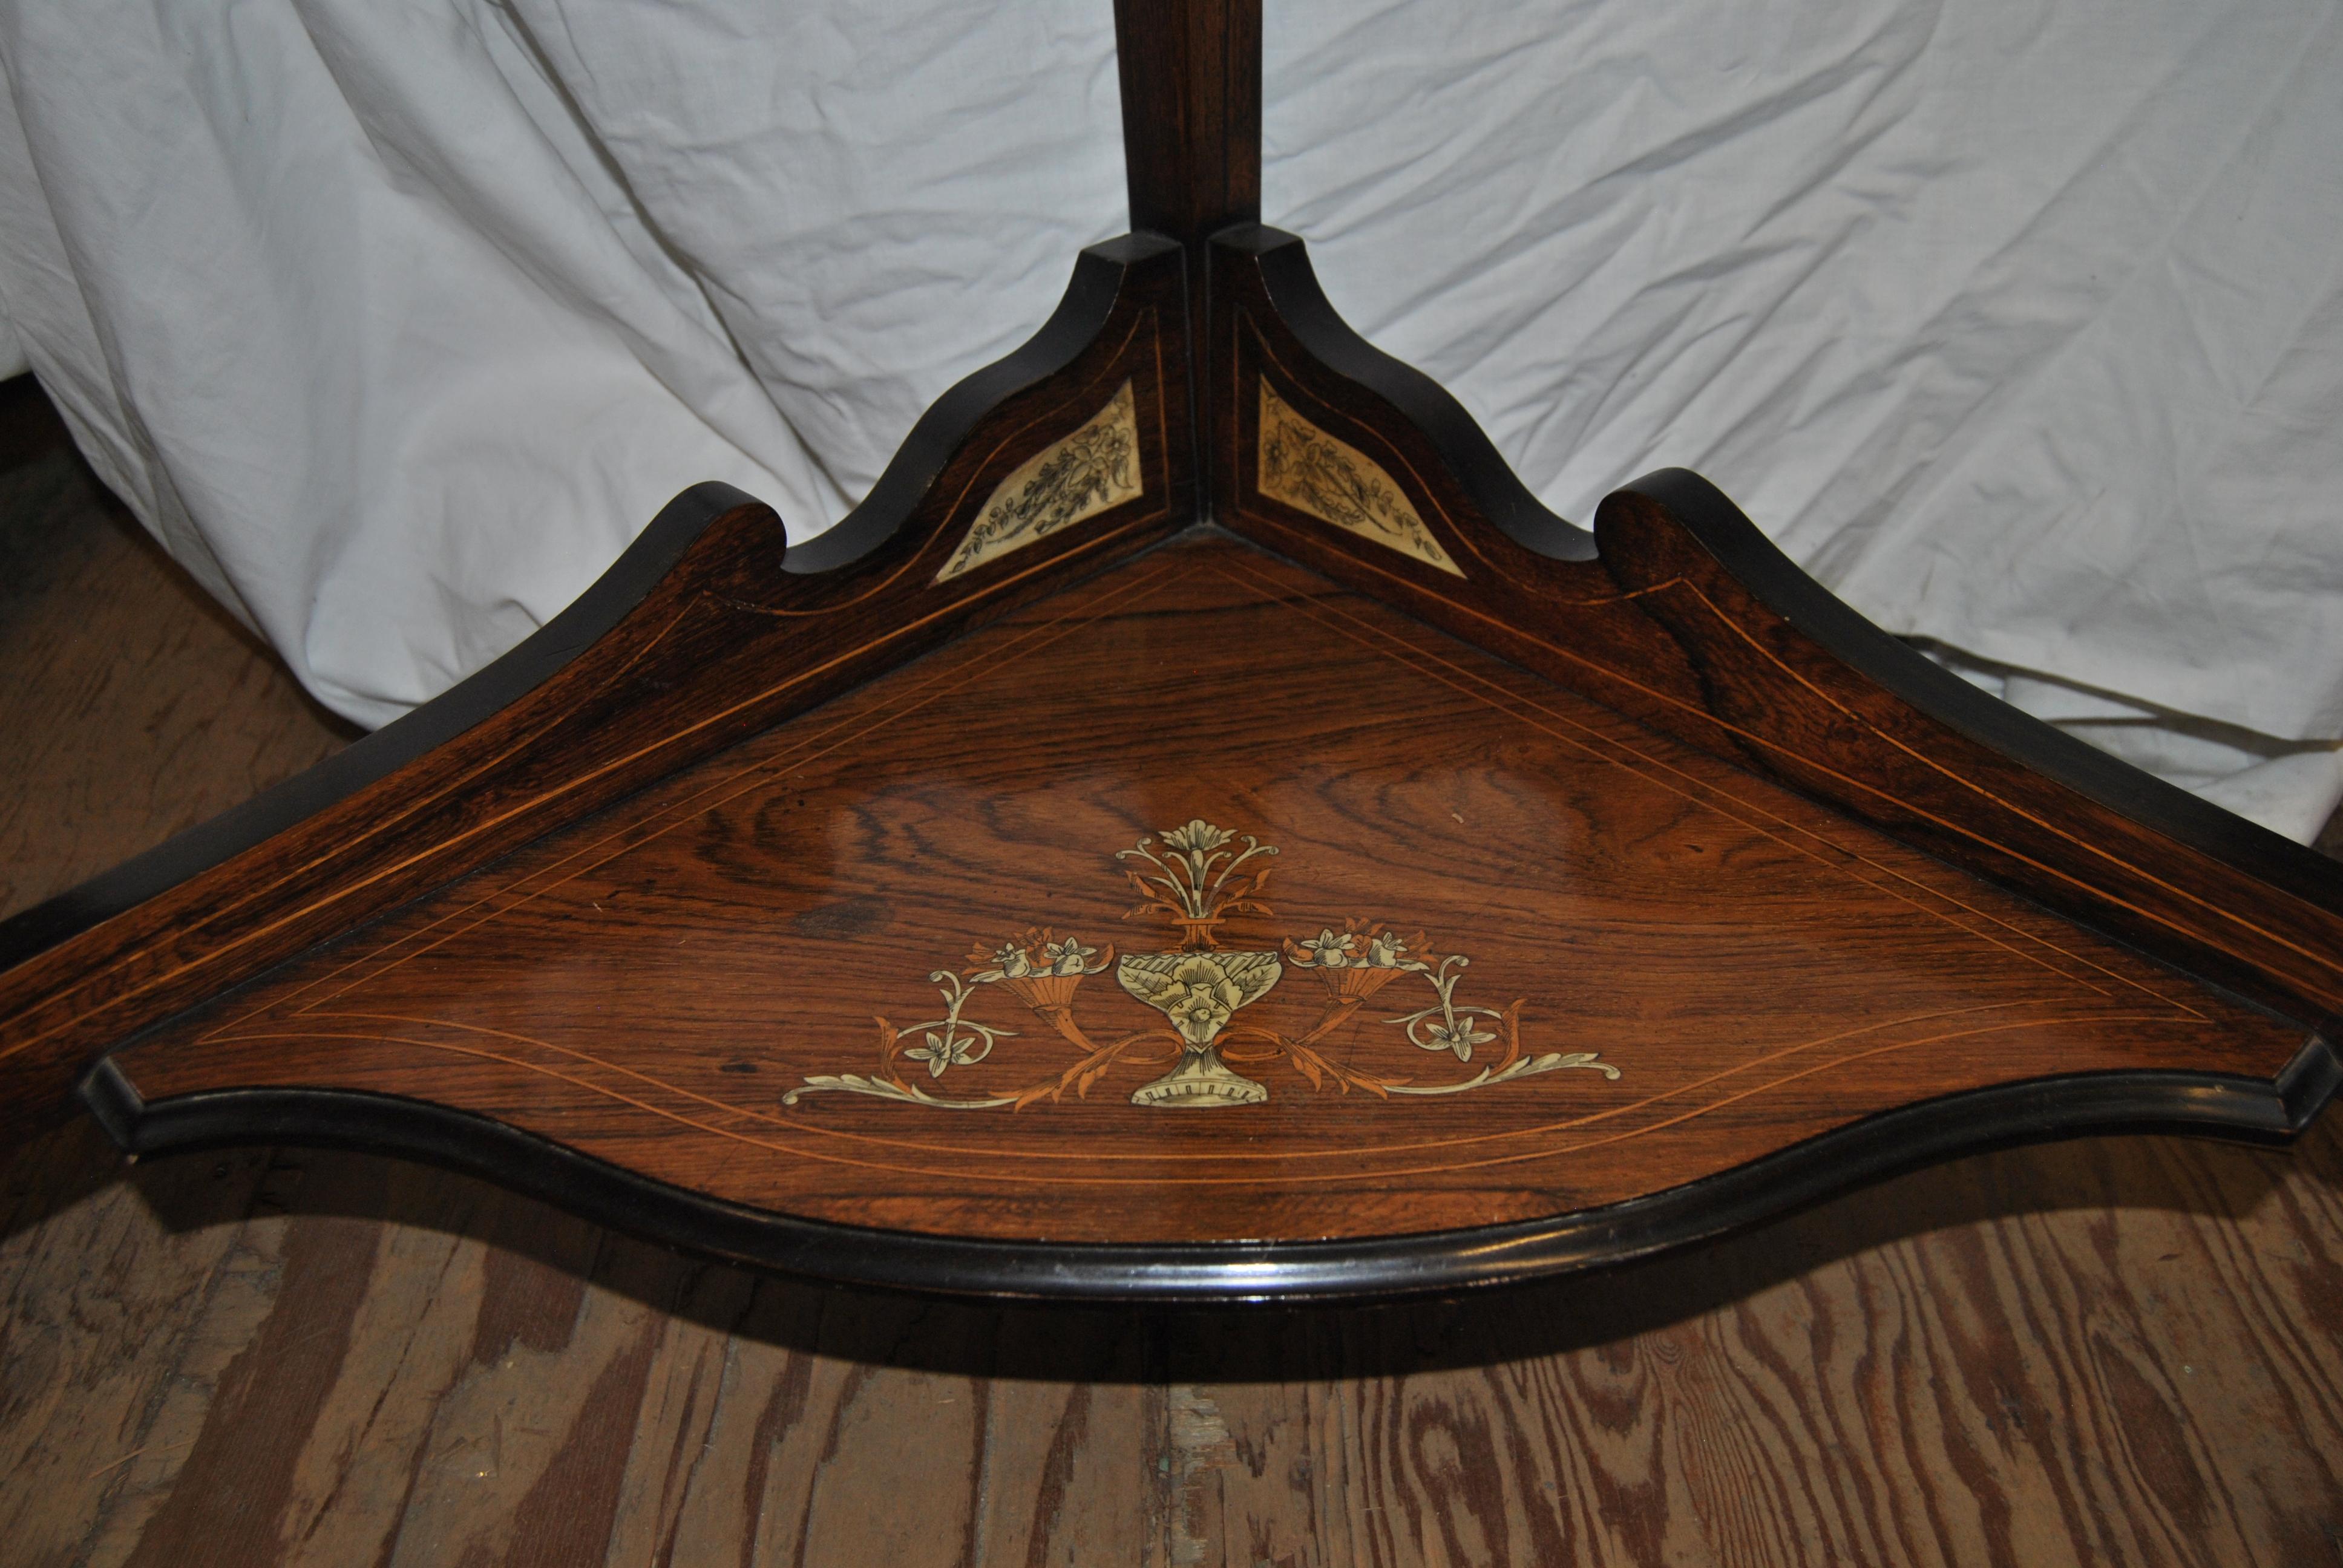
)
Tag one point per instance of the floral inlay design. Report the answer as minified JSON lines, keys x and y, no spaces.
{"x":1336,"y":483}
{"x":1196,"y":878}
{"x":1072,"y":479}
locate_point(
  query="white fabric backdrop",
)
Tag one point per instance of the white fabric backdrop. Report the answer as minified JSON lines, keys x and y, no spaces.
{"x":2021,"y":327}
{"x":396,"y":319}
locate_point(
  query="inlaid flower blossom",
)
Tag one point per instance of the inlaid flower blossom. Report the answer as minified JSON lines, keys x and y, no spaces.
{"x":1200,"y":1000}
{"x":1014,"y":964}
{"x":1069,"y":957}
{"x":1198,"y":837}
{"x":1193,"y":847}
{"x":1456,"y":1034}
{"x":1329,"y":949}
{"x":941,"y":1051}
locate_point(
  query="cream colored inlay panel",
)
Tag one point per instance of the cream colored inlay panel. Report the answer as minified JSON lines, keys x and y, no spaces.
{"x":1336,"y":483}
{"x":1078,"y":476}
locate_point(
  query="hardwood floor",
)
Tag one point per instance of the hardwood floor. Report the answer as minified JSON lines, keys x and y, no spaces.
{"x":2125,"y":1350}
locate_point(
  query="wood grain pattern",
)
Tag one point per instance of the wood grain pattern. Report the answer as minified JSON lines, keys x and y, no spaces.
{"x":657,"y":985}
{"x":2125,"y":1350}
{"x":750,"y":903}
{"x":705,"y":633}
{"x":1191,"y":79}
{"x":1679,"y":613}
{"x":1189,"y":72}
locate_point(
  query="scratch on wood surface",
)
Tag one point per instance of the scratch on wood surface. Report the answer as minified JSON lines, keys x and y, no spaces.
{"x":159,"y":1448}
{"x":1201,"y":1444}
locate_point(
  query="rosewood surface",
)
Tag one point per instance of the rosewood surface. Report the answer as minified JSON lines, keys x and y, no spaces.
{"x":1191,"y":78}
{"x":1711,"y":969}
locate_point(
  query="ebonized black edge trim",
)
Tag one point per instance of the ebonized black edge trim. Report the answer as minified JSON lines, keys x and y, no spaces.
{"x":1911,"y":676}
{"x":1071,"y":326}
{"x":1888,"y":1144}
{"x":1080,"y":315}
{"x":1472,"y":457}
{"x":494,"y":686}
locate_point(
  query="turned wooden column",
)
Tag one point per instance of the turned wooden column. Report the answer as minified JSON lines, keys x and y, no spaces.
{"x":1190,"y":114}
{"x":1192,"y":141}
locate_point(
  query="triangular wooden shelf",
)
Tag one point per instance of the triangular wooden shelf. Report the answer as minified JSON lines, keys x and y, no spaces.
{"x":1199,"y":830}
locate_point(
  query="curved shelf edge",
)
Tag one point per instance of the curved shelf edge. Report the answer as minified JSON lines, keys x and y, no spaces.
{"x":1679,"y":613}
{"x":1398,"y":400}
{"x":1083,"y":316}
{"x":1803,"y":688}
{"x":1720,"y":524}
{"x":1885,"y":1145}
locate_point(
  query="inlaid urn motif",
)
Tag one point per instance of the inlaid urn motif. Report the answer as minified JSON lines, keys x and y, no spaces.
{"x":1196,"y":878}
{"x":1200,"y":993}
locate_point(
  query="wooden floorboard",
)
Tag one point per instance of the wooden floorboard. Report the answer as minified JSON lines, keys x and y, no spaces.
{"x":2128,"y":1351}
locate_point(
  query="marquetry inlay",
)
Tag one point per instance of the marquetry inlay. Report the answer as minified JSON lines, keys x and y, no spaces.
{"x":1072,"y":479}
{"x":1336,"y":483}
{"x":681,"y":985}
{"x":1195,"y":878}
